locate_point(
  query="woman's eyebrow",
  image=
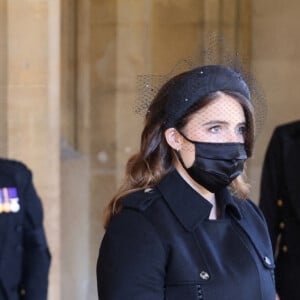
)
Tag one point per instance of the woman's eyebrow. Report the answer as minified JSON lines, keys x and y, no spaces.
{"x":242,"y":123}
{"x":213,"y":122}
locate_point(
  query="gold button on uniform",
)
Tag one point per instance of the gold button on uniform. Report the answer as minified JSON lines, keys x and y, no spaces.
{"x":281,"y":225}
{"x":284,"y":248}
{"x":279,"y":202}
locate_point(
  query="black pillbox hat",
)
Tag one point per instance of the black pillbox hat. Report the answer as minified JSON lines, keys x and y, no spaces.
{"x":189,"y":88}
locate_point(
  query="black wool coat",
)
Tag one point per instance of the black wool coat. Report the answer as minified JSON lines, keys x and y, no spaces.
{"x":24,"y":254}
{"x":280,"y":203}
{"x":162,"y":246}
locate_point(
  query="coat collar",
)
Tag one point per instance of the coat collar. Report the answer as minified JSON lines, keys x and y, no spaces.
{"x":188,"y":206}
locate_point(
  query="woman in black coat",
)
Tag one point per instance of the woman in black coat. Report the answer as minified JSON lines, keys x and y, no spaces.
{"x":181,"y":227}
{"x":279,"y":201}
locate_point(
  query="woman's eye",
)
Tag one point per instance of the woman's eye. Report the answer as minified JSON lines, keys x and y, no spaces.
{"x":215,"y":129}
{"x":242,"y":129}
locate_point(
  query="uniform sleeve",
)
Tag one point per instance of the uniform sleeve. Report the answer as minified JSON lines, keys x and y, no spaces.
{"x":270,"y":186}
{"x":131,"y":263}
{"x":36,"y":253}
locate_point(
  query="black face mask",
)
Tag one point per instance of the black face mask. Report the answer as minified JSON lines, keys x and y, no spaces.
{"x":216,"y":165}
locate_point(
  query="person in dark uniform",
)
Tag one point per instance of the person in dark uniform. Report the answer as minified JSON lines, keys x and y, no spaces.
{"x":24,"y":254}
{"x":279,"y":201}
{"x":181,"y":226}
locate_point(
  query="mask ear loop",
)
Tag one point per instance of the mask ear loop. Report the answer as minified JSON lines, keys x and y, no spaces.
{"x":185,"y":137}
{"x":177,"y":152}
{"x":178,"y":155}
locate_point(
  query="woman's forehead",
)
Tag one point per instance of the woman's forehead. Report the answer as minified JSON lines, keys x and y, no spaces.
{"x":224,"y":107}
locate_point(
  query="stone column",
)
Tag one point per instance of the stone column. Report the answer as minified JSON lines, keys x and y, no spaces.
{"x":101,"y":142}
{"x":33,"y":94}
{"x":77,"y":270}
{"x":3,"y":78}
{"x":133,"y":56}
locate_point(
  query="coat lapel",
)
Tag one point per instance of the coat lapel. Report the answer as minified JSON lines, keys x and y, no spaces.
{"x":255,"y":227}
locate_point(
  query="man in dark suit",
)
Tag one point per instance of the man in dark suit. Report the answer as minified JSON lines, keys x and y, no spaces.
{"x":24,"y":254}
{"x":280,"y":203}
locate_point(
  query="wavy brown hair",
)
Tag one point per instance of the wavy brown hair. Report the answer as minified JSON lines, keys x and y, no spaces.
{"x":156,"y":158}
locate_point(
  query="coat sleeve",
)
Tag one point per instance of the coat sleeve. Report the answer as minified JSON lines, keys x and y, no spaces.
{"x":131,"y":263}
{"x":36,"y":253}
{"x":270,"y":185}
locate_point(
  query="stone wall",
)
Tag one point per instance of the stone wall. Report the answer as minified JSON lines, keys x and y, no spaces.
{"x":29,"y":89}
{"x":275,"y":63}
{"x":68,"y":92}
